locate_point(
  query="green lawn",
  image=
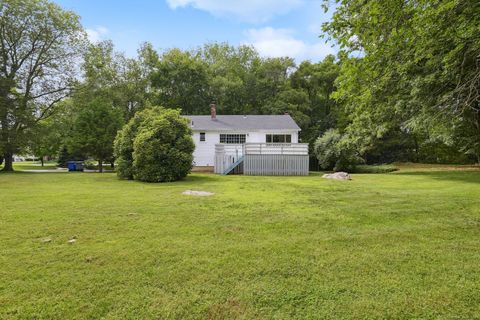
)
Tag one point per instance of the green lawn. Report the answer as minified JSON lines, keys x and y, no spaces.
{"x":34,"y":165}
{"x":398,"y":245}
{"x":49,"y":165}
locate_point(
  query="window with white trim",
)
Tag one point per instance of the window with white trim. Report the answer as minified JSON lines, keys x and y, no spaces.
{"x":202,"y":136}
{"x":232,"y":138}
{"x":279,"y":138}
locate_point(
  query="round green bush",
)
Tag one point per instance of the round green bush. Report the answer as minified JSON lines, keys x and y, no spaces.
{"x":155,"y":146}
{"x":123,"y":146}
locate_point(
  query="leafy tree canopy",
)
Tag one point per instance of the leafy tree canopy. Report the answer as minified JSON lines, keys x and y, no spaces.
{"x":95,"y":128}
{"x":39,"y":45}
{"x":416,"y":68}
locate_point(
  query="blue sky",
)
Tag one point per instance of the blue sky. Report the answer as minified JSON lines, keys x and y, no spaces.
{"x":274,"y":27}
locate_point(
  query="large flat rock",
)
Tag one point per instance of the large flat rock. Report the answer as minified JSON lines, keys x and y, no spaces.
{"x":197,"y":193}
{"x":337,"y":176}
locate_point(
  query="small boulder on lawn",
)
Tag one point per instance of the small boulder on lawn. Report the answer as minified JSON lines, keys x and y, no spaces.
{"x":337,"y":176}
{"x":197,"y":193}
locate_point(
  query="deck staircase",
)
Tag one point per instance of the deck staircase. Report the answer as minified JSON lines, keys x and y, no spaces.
{"x":235,"y":167}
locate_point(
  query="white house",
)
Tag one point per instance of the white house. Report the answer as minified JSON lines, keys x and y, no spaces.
{"x":230,"y":134}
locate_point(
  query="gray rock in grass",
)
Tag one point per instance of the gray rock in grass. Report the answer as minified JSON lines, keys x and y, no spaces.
{"x":337,"y":176}
{"x":197,"y":193}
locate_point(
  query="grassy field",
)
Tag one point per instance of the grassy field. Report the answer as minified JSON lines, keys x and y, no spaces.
{"x":34,"y":165}
{"x":398,"y":245}
{"x":52,"y":165}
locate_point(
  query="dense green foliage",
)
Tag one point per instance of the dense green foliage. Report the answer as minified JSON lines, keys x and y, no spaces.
{"x":46,"y":137}
{"x":155,"y":146}
{"x":260,"y":248}
{"x":416,"y":77}
{"x":63,"y":157}
{"x":123,"y":145}
{"x":39,"y":45}
{"x":336,"y":153}
{"x":94,"y":130}
{"x":125,"y":81}
{"x":163,"y":149}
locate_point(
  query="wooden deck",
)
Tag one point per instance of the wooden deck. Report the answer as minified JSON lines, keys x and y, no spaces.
{"x":263,"y":159}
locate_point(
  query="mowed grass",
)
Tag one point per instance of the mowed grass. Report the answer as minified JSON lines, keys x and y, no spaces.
{"x":398,"y":245}
{"x":33,"y":165}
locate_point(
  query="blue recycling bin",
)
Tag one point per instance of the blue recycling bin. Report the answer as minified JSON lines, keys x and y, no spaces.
{"x":71,"y":165}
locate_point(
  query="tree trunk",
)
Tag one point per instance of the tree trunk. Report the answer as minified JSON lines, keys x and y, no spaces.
{"x":100,"y":165}
{"x":416,"y":154}
{"x":112,"y":165}
{"x":41,"y":159}
{"x":8,"y":162}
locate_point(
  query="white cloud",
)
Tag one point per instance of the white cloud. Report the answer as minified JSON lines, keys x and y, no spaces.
{"x":272,"y":42}
{"x":96,"y":34}
{"x":246,"y":10}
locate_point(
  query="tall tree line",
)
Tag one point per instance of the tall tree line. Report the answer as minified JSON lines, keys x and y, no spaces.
{"x":243,"y":82}
{"x":405,"y":85}
{"x":111,"y":88}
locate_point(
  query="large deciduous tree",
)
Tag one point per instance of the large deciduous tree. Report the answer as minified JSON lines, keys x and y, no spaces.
{"x":39,"y":45}
{"x":46,"y":139}
{"x":95,"y":128}
{"x":231,"y":76}
{"x":181,"y":80}
{"x":417,"y":70}
{"x":126,"y":80}
{"x":317,"y":80}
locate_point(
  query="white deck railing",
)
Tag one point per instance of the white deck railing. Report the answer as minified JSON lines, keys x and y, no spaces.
{"x":277,"y":148}
{"x":230,"y":149}
{"x":228,"y":154}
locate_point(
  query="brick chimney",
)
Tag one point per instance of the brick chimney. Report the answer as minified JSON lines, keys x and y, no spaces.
{"x":213,"y":110}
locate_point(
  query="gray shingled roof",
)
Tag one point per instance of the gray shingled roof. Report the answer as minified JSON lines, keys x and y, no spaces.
{"x":249,"y":122}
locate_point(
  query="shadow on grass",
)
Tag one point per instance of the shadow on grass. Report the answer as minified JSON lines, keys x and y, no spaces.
{"x":453,"y":176}
{"x":197,"y":179}
{"x":200,"y":178}
{"x":109,"y":176}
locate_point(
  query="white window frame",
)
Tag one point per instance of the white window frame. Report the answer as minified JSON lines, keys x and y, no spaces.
{"x":233,"y":138}
{"x":284,"y":135}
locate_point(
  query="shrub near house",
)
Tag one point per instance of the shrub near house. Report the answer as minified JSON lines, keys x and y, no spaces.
{"x":335,"y":152}
{"x":155,"y":146}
